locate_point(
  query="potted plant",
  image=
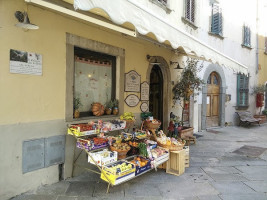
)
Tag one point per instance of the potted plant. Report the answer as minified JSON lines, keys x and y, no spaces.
{"x":115,"y":110}
{"x":188,"y":84}
{"x":76,"y":105}
{"x":258,"y":91}
{"x":109,"y":106}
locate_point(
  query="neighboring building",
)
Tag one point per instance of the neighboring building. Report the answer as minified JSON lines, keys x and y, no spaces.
{"x":87,"y":54}
{"x":262,"y":46}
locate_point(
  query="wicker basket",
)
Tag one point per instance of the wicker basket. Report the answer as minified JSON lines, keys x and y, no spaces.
{"x":121,"y":153}
{"x":129,"y":123}
{"x":171,"y":147}
{"x":151,"y":125}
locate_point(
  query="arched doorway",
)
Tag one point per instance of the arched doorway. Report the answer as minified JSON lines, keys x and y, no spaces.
{"x":213,"y":100}
{"x":156,"y":93}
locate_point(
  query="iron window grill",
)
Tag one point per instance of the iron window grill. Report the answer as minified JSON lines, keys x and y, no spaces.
{"x":190,"y":10}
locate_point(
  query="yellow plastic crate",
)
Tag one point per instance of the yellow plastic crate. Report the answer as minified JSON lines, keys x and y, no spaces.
{"x":114,"y":177}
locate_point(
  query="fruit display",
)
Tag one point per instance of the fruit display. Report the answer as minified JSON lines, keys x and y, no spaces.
{"x":127,"y":116}
{"x":103,"y":157}
{"x":82,"y":129}
{"x":151,"y":144}
{"x":160,"y":155}
{"x":118,"y":172}
{"x":121,"y":146}
{"x":134,"y":143}
{"x":169,"y":142}
{"x":141,"y":135}
{"x":117,"y":124}
{"x":152,"y":124}
{"x":98,"y":109}
{"x":92,"y":143}
{"x":139,"y":161}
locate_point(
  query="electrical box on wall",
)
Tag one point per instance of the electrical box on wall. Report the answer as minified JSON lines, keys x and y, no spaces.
{"x":43,"y":152}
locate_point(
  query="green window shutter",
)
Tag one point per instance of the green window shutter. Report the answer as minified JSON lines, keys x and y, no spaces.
{"x":216,"y":19}
{"x":238,"y":88}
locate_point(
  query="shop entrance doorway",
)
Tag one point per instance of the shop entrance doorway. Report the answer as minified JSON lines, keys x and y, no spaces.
{"x":156,"y":93}
{"x":213,"y":99}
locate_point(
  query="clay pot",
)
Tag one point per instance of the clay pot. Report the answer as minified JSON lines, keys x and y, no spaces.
{"x":115,"y":111}
{"x":108,"y":111}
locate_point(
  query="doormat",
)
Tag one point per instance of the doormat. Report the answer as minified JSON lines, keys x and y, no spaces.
{"x":250,"y":151}
{"x":213,"y":131}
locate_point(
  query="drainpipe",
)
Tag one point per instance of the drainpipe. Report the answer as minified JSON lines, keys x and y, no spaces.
{"x":257,"y":38}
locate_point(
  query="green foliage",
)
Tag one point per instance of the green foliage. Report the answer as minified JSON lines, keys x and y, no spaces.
{"x":77,"y":103}
{"x":110,"y":104}
{"x":264,"y":112}
{"x":188,"y":83}
{"x":115,"y":103}
{"x":258,"y":89}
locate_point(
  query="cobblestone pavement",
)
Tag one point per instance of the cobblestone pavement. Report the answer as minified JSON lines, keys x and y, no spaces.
{"x":227,"y":163}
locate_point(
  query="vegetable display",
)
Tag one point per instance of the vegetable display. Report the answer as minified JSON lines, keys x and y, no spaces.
{"x":98,"y":109}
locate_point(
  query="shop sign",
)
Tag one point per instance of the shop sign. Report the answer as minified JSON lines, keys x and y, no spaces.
{"x":144,"y":91}
{"x":132,"y":81}
{"x":22,"y":62}
{"x":144,"y":107}
{"x":132,"y":100}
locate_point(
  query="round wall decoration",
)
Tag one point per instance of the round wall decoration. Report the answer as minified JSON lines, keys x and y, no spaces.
{"x":144,"y":107}
{"x":132,"y":100}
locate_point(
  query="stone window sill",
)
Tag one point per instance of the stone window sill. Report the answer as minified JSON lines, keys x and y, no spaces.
{"x":163,"y":6}
{"x":216,"y":35}
{"x":246,"y":46}
{"x":186,"y":21}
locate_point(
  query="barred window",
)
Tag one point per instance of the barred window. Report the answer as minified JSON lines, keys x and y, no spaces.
{"x":246,"y":36}
{"x":190,"y":10}
{"x":242,"y":90}
{"x":216,"y":20}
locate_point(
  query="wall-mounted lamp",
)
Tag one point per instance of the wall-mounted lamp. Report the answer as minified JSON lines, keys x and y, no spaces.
{"x":24,"y":21}
{"x":152,"y":63}
{"x":177,"y":67}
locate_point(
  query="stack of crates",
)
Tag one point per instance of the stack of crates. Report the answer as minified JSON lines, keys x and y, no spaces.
{"x":186,"y":148}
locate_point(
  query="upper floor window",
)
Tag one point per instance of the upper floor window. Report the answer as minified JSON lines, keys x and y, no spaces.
{"x":164,"y":2}
{"x":265,"y":46}
{"x":190,"y":10}
{"x":246,"y":36}
{"x":242,"y":90}
{"x":216,"y":20}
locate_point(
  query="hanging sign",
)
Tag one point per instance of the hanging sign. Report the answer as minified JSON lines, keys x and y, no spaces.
{"x":144,"y":107}
{"x":132,"y":100}
{"x":132,"y":81}
{"x":144,"y":91}
{"x":22,"y":62}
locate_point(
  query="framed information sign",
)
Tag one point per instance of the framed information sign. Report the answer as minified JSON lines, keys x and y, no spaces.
{"x":132,"y":100}
{"x":144,"y":91}
{"x":132,"y":81}
{"x":144,"y":107}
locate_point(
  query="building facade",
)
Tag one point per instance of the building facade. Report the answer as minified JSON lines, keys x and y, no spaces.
{"x":87,"y":53}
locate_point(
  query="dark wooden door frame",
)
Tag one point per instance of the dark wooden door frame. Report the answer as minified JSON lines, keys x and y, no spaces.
{"x":167,"y":96}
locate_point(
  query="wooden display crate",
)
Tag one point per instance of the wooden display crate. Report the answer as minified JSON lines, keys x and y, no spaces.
{"x":176,"y":163}
{"x":186,"y":148}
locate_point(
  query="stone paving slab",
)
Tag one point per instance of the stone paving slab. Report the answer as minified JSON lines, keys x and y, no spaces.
{"x":54,"y":189}
{"x":220,"y":170}
{"x":35,"y":197}
{"x":81,"y":189}
{"x":227,"y":177}
{"x":209,"y":197}
{"x":232,"y":188}
{"x":258,"y":186}
{"x":244,"y":197}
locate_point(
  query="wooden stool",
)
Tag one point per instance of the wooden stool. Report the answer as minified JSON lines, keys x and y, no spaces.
{"x":190,"y":139}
